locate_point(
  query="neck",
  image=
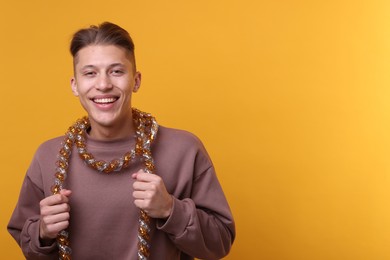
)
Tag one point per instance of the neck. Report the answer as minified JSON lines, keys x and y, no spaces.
{"x":123,"y":129}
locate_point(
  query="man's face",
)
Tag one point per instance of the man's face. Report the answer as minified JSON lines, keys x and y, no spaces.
{"x":104,"y":81}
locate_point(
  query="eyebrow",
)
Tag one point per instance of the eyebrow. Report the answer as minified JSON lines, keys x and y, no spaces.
{"x":109,"y":66}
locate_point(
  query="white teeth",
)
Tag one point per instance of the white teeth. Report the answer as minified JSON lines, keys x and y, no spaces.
{"x":104,"y":100}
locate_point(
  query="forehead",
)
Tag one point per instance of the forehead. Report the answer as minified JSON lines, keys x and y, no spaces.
{"x":101,"y":55}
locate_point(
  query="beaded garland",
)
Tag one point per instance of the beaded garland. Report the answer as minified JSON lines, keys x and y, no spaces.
{"x":146,"y":131}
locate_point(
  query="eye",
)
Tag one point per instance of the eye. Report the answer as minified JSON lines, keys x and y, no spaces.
{"x":89,"y":73}
{"x":117,"y":72}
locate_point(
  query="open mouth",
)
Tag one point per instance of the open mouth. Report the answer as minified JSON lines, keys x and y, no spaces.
{"x":104,"y":100}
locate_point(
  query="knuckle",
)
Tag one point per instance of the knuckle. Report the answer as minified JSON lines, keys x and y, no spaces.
{"x":147,"y":204}
{"x":50,"y":229}
{"x":43,"y":212}
{"x":153,"y":186}
{"x":66,"y":207}
{"x":137,"y":204}
{"x":45,"y":220}
{"x":56,"y":198}
{"x":151,"y":194}
{"x":59,"y":198}
{"x":147,"y":195}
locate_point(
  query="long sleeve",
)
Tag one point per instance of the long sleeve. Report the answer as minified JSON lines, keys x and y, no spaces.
{"x":24,"y":222}
{"x":201,"y":224}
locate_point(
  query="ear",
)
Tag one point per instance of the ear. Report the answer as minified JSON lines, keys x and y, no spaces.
{"x":137,"y":79}
{"x":73,"y":84}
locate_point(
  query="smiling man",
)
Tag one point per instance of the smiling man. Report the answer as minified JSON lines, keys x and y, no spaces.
{"x":118,"y":185}
{"x":104,"y":81}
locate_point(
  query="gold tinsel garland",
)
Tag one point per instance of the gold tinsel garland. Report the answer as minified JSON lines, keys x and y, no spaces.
{"x":146,"y":130}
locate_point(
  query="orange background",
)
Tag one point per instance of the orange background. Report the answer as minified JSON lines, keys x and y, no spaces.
{"x":291,"y":99}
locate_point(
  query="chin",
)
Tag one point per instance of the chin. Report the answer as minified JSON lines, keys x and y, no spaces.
{"x":105,"y":122}
{"x":108,"y":119}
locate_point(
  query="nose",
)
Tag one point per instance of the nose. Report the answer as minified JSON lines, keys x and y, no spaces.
{"x":103,"y":82}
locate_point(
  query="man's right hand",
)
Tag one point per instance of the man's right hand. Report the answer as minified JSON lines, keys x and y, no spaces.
{"x":54,"y":215}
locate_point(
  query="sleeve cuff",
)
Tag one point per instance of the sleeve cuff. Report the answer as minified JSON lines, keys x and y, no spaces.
{"x":32,"y":228}
{"x":180,"y":218}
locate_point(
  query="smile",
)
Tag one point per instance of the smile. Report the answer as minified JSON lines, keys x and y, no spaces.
{"x":105,"y":100}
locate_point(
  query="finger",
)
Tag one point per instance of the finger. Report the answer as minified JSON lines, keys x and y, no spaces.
{"x":53,"y":200}
{"x":65,"y":192}
{"x":142,"y":195}
{"x":138,"y":203}
{"x":53,"y":229}
{"x":141,"y":204}
{"x":142,"y":186}
{"x":140,"y":171}
{"x":53,"y":219}
{"x":146,"y":177}
{"x":55,"y":209}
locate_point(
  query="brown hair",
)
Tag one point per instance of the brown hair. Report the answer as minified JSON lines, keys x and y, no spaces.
{"x":104,"y":34}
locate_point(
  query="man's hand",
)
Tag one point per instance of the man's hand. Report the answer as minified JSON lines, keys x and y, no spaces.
{"x":54,"y":215}
{"x":151,"y":195}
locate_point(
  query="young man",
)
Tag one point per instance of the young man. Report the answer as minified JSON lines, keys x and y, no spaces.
{"x":117,"y":185}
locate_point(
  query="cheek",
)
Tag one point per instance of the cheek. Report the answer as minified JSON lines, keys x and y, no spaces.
{"x":83,"y":87}
{"x":128,"y":96}
{"x":126,"y":86}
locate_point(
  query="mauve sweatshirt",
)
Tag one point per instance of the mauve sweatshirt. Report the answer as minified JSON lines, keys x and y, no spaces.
{"x":103,"y":217}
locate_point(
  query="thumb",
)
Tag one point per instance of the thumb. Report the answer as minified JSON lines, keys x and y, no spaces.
{"x":134,"y":175}
{"x":65,"y":192}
